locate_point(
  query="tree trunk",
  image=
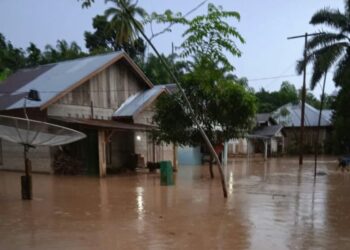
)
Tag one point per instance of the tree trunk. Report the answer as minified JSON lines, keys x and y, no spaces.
{"x":211,"y":166}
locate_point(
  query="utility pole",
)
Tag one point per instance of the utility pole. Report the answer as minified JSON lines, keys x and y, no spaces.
{"x":319,"y":123}
{"x":303,"y":96}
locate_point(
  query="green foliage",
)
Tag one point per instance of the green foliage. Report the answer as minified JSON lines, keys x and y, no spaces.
{"x":118,"y":33}
{"x":332,"y":48}
{"x":62,"y":51}
{"x":341,"y":137}
{"x":313,"y":101}
{"x":211,"y":36}
{"x":223,"y":107}
{"x":223,"y":103}
{"x":4,"y":74}
{"x":121,"y":21}
{"x":329,"y":48}
{"x":12,"y":59}
{"x":156,"y":72}
{"x":86,"y":3}
{"x":103,"y":38}
{"x":270,"y":101}
{"x":34,"y":56}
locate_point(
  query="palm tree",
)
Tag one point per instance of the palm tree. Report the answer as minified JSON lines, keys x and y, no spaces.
{"x":330,"y":48}
{"x":121,"y":21}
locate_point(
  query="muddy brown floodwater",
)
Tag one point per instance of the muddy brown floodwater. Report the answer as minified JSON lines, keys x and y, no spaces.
{"x":271,"y":205}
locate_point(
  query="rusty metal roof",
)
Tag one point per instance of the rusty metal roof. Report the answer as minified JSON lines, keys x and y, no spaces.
{"x":266,"y":131}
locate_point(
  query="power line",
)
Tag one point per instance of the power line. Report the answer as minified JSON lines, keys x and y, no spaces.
{"x":271,"y":78}
{"x":172,"y":24}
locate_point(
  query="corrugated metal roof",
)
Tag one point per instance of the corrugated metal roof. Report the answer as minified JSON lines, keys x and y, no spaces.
{"x":136,"y":103}
{"x":8,"y":100}
{"x":22,"y":77}
{"x":171,"y":87}
{"x":262,"y":117}
{"x":289,"y":115}
{"x":328,"y":113}
{"x":266,"y":131}
{"x":62,"y":76}
{"x":53,"y":80}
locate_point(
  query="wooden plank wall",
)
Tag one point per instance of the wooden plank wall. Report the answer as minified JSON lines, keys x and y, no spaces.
{"x":107,"y":90}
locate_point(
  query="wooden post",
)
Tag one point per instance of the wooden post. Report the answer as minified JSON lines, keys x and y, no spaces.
{"x":265,"y":154}
{"x":174,"y":158}
{"x":271,"y":150}
{"x":319,"y":124}
{"x":248,"y":148}
{"x":26,"y":180}
{"x":153,"y":150}
{"x":225,"y":154}
{"x":102,"y":153}
{"x":303,"y":96}
{"x":92,"y":110}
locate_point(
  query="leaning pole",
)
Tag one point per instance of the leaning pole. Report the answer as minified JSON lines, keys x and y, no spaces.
{"x":189,"y":106}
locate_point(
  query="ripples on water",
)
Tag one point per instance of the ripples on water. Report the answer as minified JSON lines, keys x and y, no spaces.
{"x":271,"y":205}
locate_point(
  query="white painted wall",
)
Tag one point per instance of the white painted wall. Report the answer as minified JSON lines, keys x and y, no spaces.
{"x":237,"y":146}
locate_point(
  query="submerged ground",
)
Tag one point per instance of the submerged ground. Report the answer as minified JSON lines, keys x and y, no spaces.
{"x":271,"y":205}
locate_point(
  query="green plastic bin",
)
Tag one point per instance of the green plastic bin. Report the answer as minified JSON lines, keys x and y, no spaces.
{"x":166,"y":173}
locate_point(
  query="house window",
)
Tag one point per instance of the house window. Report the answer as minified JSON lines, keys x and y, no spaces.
{"x":1,"y":161}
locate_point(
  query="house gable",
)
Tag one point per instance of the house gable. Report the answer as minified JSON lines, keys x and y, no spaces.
{"x":59,"y":79}
{"x":100,"y":95}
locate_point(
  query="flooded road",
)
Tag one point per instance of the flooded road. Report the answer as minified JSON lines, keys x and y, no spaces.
{"x":271,"y":205}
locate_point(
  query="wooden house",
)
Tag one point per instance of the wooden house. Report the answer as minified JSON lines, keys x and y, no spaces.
{"x":289,"y":116}
{"x":106,"y":96}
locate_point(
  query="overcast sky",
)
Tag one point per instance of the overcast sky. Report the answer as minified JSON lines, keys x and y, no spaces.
{"x":265,"y":25}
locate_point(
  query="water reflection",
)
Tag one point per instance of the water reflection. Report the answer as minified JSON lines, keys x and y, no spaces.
{"x":140,"y":203}
{"x":271,"y":205}
{"x":230,"y":183}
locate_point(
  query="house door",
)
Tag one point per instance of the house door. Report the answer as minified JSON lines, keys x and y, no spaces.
{"x":91,"y":152}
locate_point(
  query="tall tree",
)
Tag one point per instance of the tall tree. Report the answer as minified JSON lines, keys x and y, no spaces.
{"x":156,"y":72}
{"x":62,"y":51}
{"x":86,"y":3}
{"x":34,"y":55}
{"x":11,"y":58}
{"x":121,"y":21}
{"x":222,"y":106}
{"x":103,"y":39}
{"x":332,"y":48}
{"x":270,"y":101}
{"x":211,"y":36}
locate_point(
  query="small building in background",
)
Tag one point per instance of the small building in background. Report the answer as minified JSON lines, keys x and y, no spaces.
{"x":289,"y":116}
{"x":266,"y":139}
